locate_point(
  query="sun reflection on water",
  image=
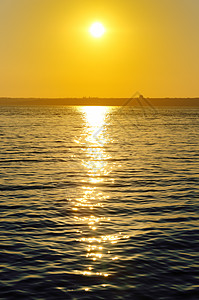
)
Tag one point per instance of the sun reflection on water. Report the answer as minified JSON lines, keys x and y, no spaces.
{"x":95,"y":141}
{"x":95,"y":115}
{"x":95,"y":227}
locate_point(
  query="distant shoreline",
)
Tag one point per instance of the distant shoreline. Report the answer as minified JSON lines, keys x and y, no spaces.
{"x":193,"y":102}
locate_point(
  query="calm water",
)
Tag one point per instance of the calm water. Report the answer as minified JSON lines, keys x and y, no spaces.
{"x":99,"y":203}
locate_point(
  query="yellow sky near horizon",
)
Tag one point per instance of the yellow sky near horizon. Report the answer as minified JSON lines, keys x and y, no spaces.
{"x":149,"y":46}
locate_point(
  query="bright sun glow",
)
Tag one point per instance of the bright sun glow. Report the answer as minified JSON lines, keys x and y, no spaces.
{"x":97,"y":30}
{"x":95,"y":115}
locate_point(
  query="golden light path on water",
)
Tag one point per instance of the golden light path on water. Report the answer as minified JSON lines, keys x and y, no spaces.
{"x":89,"y":208}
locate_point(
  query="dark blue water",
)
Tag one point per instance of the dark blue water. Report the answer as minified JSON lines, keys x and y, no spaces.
{"x":99,"y":203}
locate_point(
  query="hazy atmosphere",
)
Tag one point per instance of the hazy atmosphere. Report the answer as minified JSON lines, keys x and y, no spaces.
{"x":99,"y":139}
{"x":149,"y":46}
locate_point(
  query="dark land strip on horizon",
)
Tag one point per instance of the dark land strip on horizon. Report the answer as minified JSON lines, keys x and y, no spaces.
{"x":95,"y":101}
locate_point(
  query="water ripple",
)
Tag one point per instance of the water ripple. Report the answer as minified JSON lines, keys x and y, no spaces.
{"x":94,"y":207}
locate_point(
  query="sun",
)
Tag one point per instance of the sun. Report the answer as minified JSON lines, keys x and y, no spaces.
{"x":97,"y":30}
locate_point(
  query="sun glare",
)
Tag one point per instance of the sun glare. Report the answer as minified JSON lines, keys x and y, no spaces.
{"x":97,"y":30}
{"x":95,"y":115}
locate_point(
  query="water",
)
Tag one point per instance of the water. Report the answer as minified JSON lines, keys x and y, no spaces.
{"x":99,"y":203}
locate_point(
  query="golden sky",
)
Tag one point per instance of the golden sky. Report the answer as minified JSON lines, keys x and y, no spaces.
{"x":150,"y":46}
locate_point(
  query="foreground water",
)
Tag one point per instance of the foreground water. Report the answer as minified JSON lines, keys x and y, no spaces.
{"x":99,"y":203}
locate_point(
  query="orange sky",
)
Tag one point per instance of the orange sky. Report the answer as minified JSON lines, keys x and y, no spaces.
{"x":150,"y":46}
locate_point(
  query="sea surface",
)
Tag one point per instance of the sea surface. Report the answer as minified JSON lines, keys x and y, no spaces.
{"x":99,"y":203}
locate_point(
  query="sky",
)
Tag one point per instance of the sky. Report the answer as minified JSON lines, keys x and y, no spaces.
{"x":150,"y":47}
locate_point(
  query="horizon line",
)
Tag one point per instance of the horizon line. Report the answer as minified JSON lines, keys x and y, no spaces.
{"x":97,"y":97}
